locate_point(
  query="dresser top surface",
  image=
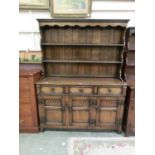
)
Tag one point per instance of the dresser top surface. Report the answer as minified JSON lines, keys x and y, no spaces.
{"x":81,"y":81}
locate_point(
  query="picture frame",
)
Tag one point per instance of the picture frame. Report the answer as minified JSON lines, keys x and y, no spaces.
{"x":70,"y":8}
{"x":30,"y":57}
{"x":34,"y":4}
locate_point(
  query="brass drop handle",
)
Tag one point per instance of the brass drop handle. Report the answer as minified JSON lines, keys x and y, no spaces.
{"x":109,"y":90}
{"x":53,"y":89}
{"x":81,"y":90}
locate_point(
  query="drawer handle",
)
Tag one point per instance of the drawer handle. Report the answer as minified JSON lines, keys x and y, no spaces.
{"x":53,"y":89}
{"x":81,"y":90}
{"x":109,"y":90}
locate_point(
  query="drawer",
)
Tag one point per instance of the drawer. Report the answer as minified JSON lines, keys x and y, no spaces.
{"x":110,"y":91}
{"x":53,"y":89}
{"x":25,"y":121}
{"x":81,"y":90}
{"x":25,"y":109}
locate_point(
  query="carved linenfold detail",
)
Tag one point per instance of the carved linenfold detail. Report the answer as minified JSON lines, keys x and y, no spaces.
{"x":53,"y":102}
{"x":80,"y":103}
{"x":108,"y":102}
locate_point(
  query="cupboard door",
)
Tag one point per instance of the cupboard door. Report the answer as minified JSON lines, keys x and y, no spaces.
{"x":109,"y":112}
{"x":79,"y":112}
{"x":52,"y":112}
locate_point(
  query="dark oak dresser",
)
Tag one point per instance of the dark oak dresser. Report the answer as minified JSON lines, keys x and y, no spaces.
{"x":129,"y":113}
{"x":28,"y":113}
{"x":82,"y":87}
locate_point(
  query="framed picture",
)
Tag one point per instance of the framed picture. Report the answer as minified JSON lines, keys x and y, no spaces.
{"x":30,"y":57}
{"x":34,"y":4}
{"x":70,"y":8}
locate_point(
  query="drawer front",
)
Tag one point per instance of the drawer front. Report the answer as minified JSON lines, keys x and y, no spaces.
{"x":53,"y":90}
{"x":110,"y":91}
{"x":25,"y":121}
{"x":25,"y":109}
{"x":80,"y":90}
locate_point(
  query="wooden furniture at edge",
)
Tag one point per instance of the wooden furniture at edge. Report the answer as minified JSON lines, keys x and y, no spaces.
{"x":28,"y":113}
{"x":129,"y":63}
{"x":82,"y":86}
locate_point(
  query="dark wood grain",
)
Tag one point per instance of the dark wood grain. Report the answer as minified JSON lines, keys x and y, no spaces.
{"x":129,"y":71}
{"x":82,"y":86}
{"x":28,"y":113}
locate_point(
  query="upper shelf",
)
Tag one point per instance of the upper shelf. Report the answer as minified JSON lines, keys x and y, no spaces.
{"x":69,"y":44}
{"x":82,"y":61}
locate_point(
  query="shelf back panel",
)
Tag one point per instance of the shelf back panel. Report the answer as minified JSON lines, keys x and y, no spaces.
{"x":84,"y":35}
{"x":104,"y":70}
{"x":96,"y":46}
{"x":82,"y":53}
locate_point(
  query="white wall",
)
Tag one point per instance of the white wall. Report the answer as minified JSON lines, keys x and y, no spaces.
{"x":29,"y":37}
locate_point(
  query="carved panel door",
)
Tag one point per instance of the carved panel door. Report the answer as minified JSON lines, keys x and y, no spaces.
{"x":52,"y":112}
{"x":109,"y":113}
{"x":79,"y":112}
